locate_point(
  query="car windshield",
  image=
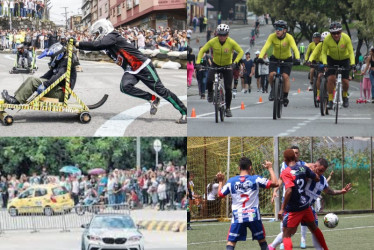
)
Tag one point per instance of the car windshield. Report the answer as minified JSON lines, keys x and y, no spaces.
{"x":112,"y":222}
{"x":59,"y":191}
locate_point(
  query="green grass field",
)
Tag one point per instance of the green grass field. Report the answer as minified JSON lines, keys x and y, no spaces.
{"x":353,"y":232}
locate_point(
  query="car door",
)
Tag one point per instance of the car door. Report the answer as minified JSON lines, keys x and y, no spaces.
{"x":25,"y":201}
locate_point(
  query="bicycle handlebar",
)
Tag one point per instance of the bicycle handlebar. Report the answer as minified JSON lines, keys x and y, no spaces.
{"x":228,"y":67}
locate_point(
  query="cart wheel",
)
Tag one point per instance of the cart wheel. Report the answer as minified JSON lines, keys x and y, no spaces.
{"x":8,"y":120}
{"x":10,"y":71}
{"x":85,"y":117}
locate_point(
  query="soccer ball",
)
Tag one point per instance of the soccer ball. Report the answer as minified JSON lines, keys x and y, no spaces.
{"x":331,"y":220}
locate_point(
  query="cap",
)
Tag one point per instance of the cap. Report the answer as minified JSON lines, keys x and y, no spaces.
{"x":257,"y":52}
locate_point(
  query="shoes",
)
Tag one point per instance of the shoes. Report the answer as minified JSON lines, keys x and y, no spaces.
{"x":210,"y":96}
{"x":345,"y":102}
{"x":245,"y":91}
{"x":249,"y":90}
{"x":228,"y":113}
{"x":182,"y":120}
{"x":9,"y":99}
{"x":285,"y":101}
{"x":258,"y":90}
{"x":271,"y":248}
{"x":302,"y":245}
{"x":154,"y":105}
{"x":271,"y":95}
{"x":203,"y":96}
{"x":329,"y":105}
{"x":372,"y":100}
{"x":310,"y":88}
{"x":281,"y":246}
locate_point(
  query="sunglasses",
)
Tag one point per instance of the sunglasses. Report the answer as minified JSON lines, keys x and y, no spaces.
{"x":335,"y":33}
{"x":279,"y":28}
{"x":222,"y":35}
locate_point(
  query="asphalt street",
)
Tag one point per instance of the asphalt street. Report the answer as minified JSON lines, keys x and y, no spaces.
{"x":300,"y":118}
{"x":121,"y":115}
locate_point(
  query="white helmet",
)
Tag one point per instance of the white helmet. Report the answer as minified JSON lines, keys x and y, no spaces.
{"x":223,"y":29}
{"x":101,"y":27}
{"x":323,"y":35}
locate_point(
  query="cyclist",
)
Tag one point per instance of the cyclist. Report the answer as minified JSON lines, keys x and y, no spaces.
{"x":337,"y":50}
{"x":302,"y":52}
{"x":311,"y":47}
{"x":316,"y":57}
{"x":222,"y":46}
{"x":282,"y":42}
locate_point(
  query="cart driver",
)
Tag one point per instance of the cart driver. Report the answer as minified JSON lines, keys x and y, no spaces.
{"x":57,"y":67}
{"x":23,"y":55}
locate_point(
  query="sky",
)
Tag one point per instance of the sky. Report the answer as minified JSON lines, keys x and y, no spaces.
{"x":57,"y":11}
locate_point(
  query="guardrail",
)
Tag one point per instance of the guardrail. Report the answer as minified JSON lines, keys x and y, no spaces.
{"x":34,"y":219}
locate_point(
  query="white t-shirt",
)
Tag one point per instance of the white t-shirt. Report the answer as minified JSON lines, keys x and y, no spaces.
{"x":141,"y":40}
{"x":213,"y":194}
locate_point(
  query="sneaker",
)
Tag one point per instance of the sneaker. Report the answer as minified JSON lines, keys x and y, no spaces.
{"x":210,"y":96}
{"x":302,"y":245}
{"x":271,"y":248}
{"x":182,"y":120}
{"x":285,"y":101}
{"x":245,"y":91}
{"x":258,"y":90}
{"x":271,"y":95}
{"x":310,"y":88}
{"x":154,"y":105}
{"x":228,"y":113}
{"x":372,"y":100}
{"x":249,"y":90}
{"x":329,"y":105}
{"x":9,"y":99}
{"x":345,"y":102}
{"x":281,"y":246}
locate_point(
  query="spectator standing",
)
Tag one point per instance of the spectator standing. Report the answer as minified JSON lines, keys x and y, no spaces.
{"x":5,"y":7}
{"x":366,"y":84}
{"x":190,"y":66}
{"x":161,"y":191}
{"x":205,"y":22}
{"x":4,"y":191}
{"x":16,"y":9}
{"x":11,"y":7}
{"x":141,"y":40}
{"x":201,"y":23}
{"x":264,"y":73}
{"x":75,"y":190}
{"x":219,"y":18}
{"x":110,"y":189}
{"x":195,"y":21}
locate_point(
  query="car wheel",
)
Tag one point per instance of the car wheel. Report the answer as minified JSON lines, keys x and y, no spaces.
{"x":13,"y":211}
{"x":48,"y":211}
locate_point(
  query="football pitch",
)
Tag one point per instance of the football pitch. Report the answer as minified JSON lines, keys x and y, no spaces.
{"x":354,"y":231}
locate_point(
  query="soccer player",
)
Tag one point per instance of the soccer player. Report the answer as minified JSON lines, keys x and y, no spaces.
{"x":295,"y":207}
{"x":244,"y":190}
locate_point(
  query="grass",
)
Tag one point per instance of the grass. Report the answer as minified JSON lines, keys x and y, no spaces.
{"x":353,"y":232}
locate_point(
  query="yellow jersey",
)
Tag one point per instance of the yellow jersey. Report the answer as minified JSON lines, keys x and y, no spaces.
{"x":337,"y":51}
{"x":281,"y":47}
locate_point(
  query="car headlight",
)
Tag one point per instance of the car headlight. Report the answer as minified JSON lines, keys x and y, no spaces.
{"x":133,"y":239}
{"x":93,"y":238}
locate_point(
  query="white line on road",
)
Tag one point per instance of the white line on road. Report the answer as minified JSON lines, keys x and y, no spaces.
{"x":117,"y":125}
{"x":283,"y":118}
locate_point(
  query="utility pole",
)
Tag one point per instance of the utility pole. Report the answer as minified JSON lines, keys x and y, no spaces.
{"x":66,"y":17}
{"x":47,"y":7}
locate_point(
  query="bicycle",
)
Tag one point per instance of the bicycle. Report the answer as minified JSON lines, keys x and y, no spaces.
{"x":219,"y":92}
{"x":278,"y":89}
{"x":252,"y":42}
{"x":317,"y":70}
{"x":323,"y":96}
{"x":338,"y":97}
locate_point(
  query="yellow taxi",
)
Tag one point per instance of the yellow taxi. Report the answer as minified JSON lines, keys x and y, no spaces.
{"x":46,"y":199}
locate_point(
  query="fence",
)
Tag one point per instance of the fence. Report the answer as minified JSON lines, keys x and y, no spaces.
{"x":349,"y":157}
{"x":33,"y":219}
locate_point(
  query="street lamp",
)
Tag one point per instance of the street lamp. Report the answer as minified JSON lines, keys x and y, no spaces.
{"x":157,"y":147}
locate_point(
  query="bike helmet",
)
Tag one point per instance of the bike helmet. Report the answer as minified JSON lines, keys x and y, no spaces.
{"x":223,"y":29}
{"x":335,"y":27}
{"x":101,"y":28}
{"x":316,"y":35}
{"x":281,"y":24}
{"x":324,"y":34}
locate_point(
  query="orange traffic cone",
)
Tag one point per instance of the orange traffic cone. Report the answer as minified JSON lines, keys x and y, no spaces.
{"x":242,"y":106}
{"x":298,"y":91}
{"x":193,"y":113}
{"x":260,"y":99}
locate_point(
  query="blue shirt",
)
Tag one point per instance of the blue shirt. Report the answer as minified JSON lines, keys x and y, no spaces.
{"x":248,"y":66}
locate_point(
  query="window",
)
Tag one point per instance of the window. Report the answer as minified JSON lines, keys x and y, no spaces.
{"x":59,"y":191}
{"x":118,"y":10}
{"x":129,"y":4}
{"x":136,"y":2}
{"x":106,"y":8}
{"x":40,"y":192}
{"x":100,"y":13}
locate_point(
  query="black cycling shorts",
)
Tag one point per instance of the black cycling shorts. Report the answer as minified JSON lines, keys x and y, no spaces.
{"x":343,"y":63}
{"x":283,"y":69}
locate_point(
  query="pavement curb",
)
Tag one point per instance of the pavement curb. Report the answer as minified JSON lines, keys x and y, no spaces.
{"x":173,"y":226}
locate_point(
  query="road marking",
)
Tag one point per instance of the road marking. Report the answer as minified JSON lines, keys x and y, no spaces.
{"x":204,"y":116}
{"x":117,"y":125}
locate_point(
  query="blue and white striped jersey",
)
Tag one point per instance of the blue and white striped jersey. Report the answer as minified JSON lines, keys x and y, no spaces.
{"x":314,"y":189}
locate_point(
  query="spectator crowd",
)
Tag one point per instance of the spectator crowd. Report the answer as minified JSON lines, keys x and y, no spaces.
{"x":22,"y":8}
{"x":163,"y":187}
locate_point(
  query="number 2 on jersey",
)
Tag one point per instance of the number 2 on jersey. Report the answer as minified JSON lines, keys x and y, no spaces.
{"x":300,"y":183}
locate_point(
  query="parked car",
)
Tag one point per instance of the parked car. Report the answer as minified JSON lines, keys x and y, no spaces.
{"x":112,"y":231}
{"x":41,"y":199}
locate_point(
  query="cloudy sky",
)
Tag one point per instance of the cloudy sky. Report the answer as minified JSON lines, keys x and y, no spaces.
{"x":57,"y":11}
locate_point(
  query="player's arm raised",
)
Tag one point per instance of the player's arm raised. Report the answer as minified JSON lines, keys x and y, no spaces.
{"x":344,"y":190}
{"x":221,"y":178}
{"x":273,"y":178}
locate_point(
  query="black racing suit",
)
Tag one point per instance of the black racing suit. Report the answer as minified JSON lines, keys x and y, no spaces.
{"x":23,"y":56}
{"x":136,"y":66}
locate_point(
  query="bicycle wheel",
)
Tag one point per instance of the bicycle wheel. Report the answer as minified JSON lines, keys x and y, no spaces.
{"x":337,"y":103}
{"x":280,"y":98}
{"x":323,"y":97}
{"x":276,"y":98}
{"x":221,"y":104}
{"x":316,"y":104}
{"x":216,"y":101}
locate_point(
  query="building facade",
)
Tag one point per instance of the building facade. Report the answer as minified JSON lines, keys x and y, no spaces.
{"x":86,"y":13}
{"x":148,"y":13}
{"x":94,"y":11}
{"x":75,"y":23}
{"x":103,"y":9}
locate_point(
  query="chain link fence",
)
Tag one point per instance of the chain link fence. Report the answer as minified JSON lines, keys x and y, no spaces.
{"x":350,"y":159}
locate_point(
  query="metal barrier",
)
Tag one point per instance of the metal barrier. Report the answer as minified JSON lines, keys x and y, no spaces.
{"x":33,"y":219}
